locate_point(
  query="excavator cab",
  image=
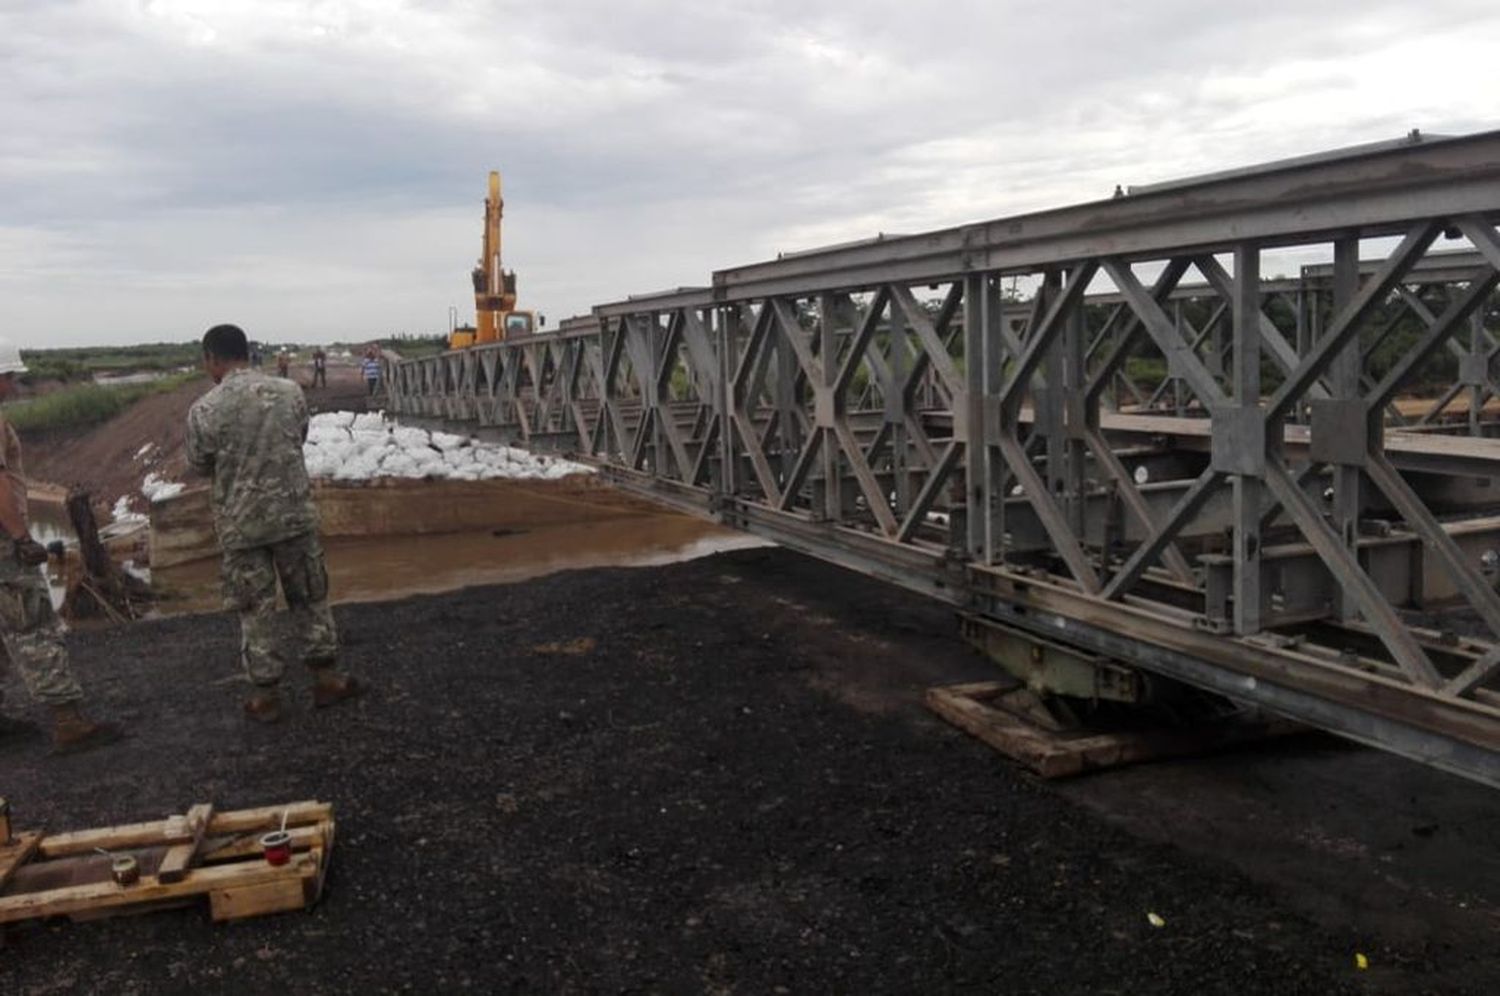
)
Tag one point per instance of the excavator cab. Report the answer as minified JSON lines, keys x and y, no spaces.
{"x":519,"y":323}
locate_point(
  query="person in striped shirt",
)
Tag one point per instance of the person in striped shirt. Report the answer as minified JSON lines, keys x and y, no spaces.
{"x":371,"y":368}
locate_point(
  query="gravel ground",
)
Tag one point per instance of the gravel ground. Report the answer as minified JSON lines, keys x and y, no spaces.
{"x":709,"y":777}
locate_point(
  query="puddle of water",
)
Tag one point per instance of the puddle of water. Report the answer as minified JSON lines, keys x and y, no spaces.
{"x":365,"y":569}
{"x":49,"y":522}
{"x":139,"y":377}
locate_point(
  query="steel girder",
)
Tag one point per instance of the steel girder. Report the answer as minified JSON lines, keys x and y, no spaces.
{"x":901,"y":408}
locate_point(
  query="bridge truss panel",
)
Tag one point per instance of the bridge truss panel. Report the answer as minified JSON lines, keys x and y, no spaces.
{"x":1118,"y":425}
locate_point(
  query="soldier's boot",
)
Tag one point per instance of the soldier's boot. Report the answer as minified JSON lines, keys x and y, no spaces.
{"x":73,"y":731}
{"x":264,"y":706}
{"x":332,"y":687}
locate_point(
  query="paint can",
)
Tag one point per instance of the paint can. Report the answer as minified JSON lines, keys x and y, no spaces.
{"x":277,"y":847}
{"x":125,"y":869}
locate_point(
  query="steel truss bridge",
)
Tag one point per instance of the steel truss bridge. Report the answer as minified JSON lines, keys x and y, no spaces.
{"x":962,"y":413}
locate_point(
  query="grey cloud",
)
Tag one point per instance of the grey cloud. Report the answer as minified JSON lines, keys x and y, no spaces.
{"x":642,"y":138}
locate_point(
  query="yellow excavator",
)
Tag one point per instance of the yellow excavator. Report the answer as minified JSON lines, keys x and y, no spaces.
{"x":494,"y":287}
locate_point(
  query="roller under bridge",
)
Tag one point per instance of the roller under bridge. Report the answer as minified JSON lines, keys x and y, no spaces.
{"x":1232,"y":432}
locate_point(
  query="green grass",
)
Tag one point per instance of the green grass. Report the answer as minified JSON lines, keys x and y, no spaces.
{"x":85,"y":404}
{"x":80,"y":364}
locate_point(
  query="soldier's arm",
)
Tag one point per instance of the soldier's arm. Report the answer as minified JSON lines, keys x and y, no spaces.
{"x":200,"y":454}
{"x":12,"y":504}
{"x":302,"y":419}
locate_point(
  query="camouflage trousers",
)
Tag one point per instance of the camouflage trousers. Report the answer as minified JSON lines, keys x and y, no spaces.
{"x":250,"y":577}
{"x":33,"y":636}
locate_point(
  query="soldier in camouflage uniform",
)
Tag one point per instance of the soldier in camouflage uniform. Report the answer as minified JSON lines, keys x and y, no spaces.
{"x":247,"y":434}
{"x":29,"y":628}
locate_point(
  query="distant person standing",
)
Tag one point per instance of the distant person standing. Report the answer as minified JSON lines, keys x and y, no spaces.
{"x":256,"y":359}
{"x":283,"y":364}
{"x":370,"y":366}
{"x":320,"y":368}
{"x":29,"y":627}
{"x":247,"y":434}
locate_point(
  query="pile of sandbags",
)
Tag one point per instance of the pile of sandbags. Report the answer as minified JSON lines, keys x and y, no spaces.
{"x":345,"y":446}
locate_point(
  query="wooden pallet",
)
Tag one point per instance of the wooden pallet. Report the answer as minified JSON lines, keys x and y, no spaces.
{"x":182,"y":858}
{"x":983,"y":710}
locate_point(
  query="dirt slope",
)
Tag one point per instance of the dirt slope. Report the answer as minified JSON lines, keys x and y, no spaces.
{"x":713,"y":777}
{"x":108,"y":459}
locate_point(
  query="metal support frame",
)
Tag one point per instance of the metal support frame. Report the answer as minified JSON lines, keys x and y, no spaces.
{"x":890,"y":407}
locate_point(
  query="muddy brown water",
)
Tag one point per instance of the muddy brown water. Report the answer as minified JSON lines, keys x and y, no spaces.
{"x":406,"y":538}
{"x":49,"y":523}
{"x":364,"y":569}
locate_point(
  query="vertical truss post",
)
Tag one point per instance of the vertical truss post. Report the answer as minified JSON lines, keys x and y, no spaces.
{"x":828,"y":407}
{"x":977,"y":289}
{"x":655,"y":392}
{"x":1179,"y":395}
{"x":1477,"y":371}
{"x":897,"y":409}
{"x":1049,"y":401}
{"x":1306,"y":302}
{"x":786,"y":396}
{"x":998,"y":349}
{"x":1344,"y":375}
{"x":1248,"y":485}
{"x":1074,"y":384}
{"x":729,"y":358}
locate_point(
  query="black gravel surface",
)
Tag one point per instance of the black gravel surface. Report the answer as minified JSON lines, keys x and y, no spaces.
{"x":710,"y":777}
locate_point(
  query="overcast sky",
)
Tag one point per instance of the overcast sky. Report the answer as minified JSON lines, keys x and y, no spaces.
{"x":316,"y":170}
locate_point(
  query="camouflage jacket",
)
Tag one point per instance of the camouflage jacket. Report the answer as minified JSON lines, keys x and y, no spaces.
{"x":247,"y":434}
{"x":15,"y":478}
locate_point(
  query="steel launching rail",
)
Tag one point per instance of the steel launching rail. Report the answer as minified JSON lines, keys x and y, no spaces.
{"x":959,"y":412}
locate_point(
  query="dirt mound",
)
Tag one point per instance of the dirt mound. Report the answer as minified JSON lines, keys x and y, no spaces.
{"x":113,"y":459}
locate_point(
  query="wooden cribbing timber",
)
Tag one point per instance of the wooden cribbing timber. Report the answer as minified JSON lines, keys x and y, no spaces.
{"x":998,"y":713}
{"x":181,"y":858}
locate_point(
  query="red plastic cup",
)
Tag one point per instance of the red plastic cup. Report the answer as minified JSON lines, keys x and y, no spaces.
{"x":277,"y":847}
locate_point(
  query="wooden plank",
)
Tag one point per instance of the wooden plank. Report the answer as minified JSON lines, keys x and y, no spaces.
{"x":229,"y":848}
{"x":175,"y":830}
{"x":323,"y":862}
{"x":40,"y":875}
{"x":1026,"y":744}
{"x":111,"y":912}
{"x":16,"y":853}
{"x":979,"y":691}
{"x":79,"y":869}
{"x":199,"y":881}
{"x":1060,"y":755}
{"x":175,"y":866}
{"x":238,"y":902}
{"x":116,"y":838}
{"x":179,"y":857}
{"x":269,"y":817}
